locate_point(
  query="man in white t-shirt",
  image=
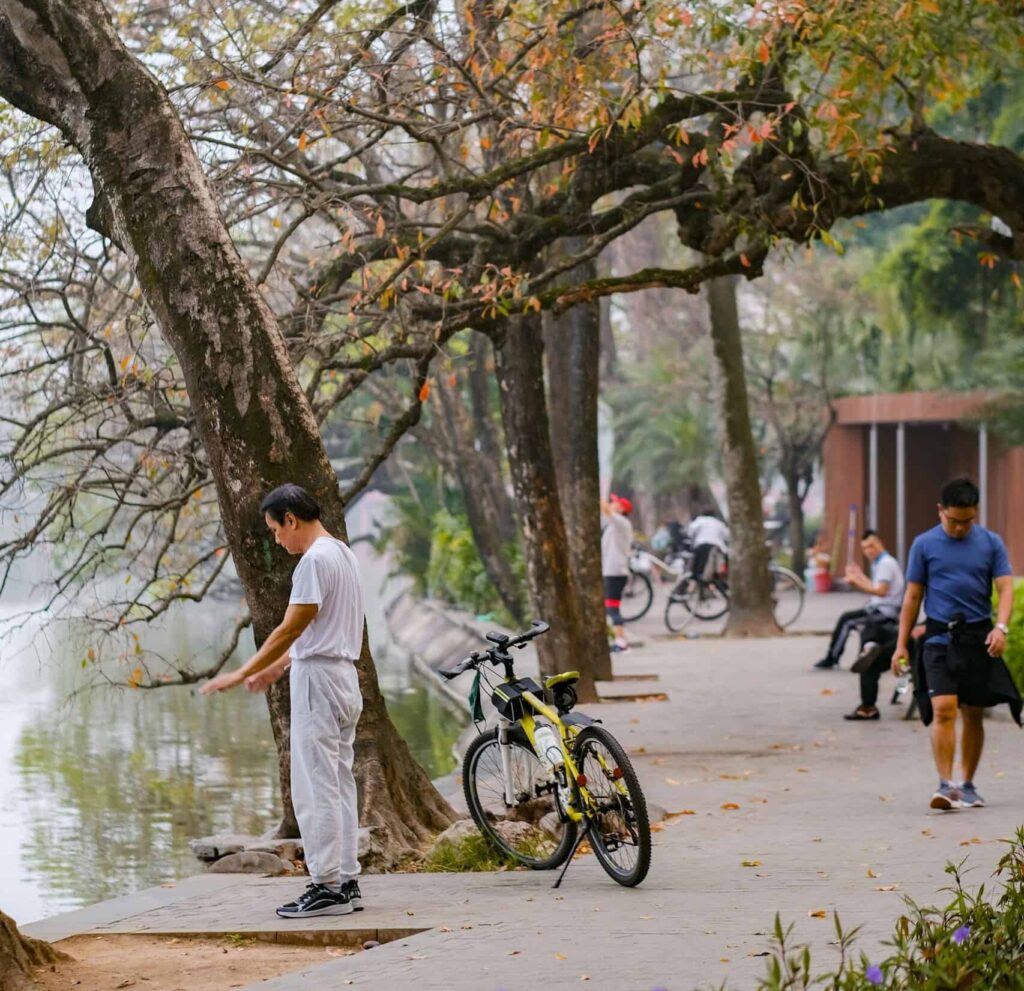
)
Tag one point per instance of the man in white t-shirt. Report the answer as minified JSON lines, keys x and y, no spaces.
{"x":319,"y":640}
{"x":885,"y":586}
{"x":710,"y":538}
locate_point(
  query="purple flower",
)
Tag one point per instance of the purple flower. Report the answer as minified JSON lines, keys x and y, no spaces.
{"x":874,"y":974}
{"x":961,"y":934}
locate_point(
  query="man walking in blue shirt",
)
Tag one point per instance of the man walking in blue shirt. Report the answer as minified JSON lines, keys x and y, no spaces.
{"x":953,"y":567}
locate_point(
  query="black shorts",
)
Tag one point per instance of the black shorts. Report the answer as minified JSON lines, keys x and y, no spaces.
{"x":614,"y":586}
{"x":968,"y":682}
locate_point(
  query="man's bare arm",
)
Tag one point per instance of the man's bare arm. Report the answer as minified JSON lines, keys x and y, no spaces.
{"x":908,"y":617}
{"x":296,"y":619}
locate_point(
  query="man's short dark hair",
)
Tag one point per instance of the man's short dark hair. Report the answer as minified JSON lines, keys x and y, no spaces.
{"x":869,"y":533}
{"x":960,"y":493}
{"x":290,"y":498}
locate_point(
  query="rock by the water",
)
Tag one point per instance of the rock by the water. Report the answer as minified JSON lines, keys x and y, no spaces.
{"x":250,"y":862}
{"x":455,"y":834}
{"x":220,"y":845}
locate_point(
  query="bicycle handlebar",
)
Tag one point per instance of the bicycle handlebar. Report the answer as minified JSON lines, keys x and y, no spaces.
{"x":498,"y":654}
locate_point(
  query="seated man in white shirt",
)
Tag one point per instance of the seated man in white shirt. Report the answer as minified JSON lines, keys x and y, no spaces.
{"x":885,"y":586}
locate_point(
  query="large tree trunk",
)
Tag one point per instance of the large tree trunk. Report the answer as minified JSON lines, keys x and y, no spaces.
{"x":19,"y":955}
{"x":750,"y":613}
{"x":67,"y":66}
{"x":520,"y":368}
{"x":572,"y":345}
{"x":797,"y":540}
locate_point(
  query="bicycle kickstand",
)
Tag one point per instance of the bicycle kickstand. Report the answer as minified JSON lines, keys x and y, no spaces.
{"x":581,"y":836}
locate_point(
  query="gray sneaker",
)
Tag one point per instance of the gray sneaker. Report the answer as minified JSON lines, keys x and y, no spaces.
{"x":969,"y":797}
{"x":946,"y":797}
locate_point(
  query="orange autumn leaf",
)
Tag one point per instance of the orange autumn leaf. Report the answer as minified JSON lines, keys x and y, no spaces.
{"x":424,"y":392}
{"x":816,"y":913}
{"x":729,"y":806}
{"x":222,"y":84}
{"x":1015,"y":279}
{"x":303,"y":141}
{"x":763,"y":51}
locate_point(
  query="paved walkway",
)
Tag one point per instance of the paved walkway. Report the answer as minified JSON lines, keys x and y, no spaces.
{"x":832,"y":815}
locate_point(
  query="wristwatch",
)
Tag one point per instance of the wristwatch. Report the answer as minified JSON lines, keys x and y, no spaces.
{"x":1003,"y":628}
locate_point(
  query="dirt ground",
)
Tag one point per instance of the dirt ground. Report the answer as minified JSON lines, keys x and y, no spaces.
{"x":149,"y":963}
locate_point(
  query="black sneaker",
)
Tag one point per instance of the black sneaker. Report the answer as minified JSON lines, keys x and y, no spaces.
{"x":317,"y":899}
{"x":825,"y":663}
{"x":351,"y":891}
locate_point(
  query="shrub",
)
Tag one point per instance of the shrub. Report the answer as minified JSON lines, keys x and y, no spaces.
{"x":976,"y":941}
{"x":1015,"y":642}
{"x":472,"y":853}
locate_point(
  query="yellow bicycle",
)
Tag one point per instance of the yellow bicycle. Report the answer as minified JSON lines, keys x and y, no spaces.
{"x":546,"y":778}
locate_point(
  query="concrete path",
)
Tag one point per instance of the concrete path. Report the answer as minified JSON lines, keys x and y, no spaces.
{"x":752,"y":747}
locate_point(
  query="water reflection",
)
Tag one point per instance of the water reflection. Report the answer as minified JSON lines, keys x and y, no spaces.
{"x":102,"y":792}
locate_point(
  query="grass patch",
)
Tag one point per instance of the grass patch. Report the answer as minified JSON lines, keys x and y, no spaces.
{"x":473,"y":853}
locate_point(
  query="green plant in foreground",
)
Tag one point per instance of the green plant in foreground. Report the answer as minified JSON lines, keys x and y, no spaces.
{"x":976,"y":941}
{"x":472,"y":853}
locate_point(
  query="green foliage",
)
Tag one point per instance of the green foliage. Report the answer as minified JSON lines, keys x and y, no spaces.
{"x":472,"y":853}
{"x":433,"y":543}
{"x":977,"y":940}
{"x":1014,"y":655}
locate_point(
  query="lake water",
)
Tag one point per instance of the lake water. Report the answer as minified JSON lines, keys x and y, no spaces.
{"x":100,"y":791}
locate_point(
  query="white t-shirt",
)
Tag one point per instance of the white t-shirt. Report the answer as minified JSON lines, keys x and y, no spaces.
{"x":887,"y":569}
{"x":327,"y":576}
{"x":709,"y":530}
{"x":616,"y":540}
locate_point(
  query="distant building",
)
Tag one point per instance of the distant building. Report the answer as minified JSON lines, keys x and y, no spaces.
{"x":889,"y":455}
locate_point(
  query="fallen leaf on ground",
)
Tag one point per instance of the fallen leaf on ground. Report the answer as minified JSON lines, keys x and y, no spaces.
{"x":444,"y":929}
{"x":729,"y":806}
{"x":337,"y":951}
{"x":803,"y":770}
{"x":584,"y":977}
{"x":418,"y":956}
{"x":871,"y":873}
{"x":729,"y":777}
{"x":681,"y":812}
{"x":671,"y":781}
{"x":822,"y":873}
{"x":760,"y":801}
{"x":888,"y":887}
{"x":751,"y":863}
{"x":816,"y":913}
{"x":826,"y":691}
{"x":723,"y":959}
{"x":657,"y":827}
{"x":559,"y":956}
{"x":513,"y":953}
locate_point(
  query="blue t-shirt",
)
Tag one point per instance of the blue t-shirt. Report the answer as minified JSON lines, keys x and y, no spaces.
{"x":957,"y":574}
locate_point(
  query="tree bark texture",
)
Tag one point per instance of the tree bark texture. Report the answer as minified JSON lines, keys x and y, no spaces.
{"x":797,"y":539}
{"x":520,"y":369}
{"x":572,"y":345}
{"x":64,"y":63}
{"x":19,"y":955}
{"x":750,"y":612}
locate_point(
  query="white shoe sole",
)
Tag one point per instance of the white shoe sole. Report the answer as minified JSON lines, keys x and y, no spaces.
{"x":944,"y":804}
{"x":345,"y":909}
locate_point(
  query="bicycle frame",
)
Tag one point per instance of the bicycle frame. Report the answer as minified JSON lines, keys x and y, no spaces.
{"x":565,"y":733}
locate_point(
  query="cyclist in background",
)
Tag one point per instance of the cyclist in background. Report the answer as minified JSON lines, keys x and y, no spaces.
{"x":616,"y":541}
{"x":710,"y":537}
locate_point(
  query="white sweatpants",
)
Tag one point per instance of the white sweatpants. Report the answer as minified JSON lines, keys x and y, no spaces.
{"x":326,"y":705}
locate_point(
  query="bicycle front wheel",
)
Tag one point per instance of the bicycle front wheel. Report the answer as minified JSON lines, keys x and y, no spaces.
{"x":618,"y":828}
{"x":677,"y":609}
{"x":533,"y":830}
{"x":787,"y":596}
{"x":637,"y":597}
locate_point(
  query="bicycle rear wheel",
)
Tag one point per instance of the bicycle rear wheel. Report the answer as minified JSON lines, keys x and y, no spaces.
{"x":787,"y":596}
{"x":533,"y":830}
{"x":620,"y":831}
{"x":637,"y":597}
